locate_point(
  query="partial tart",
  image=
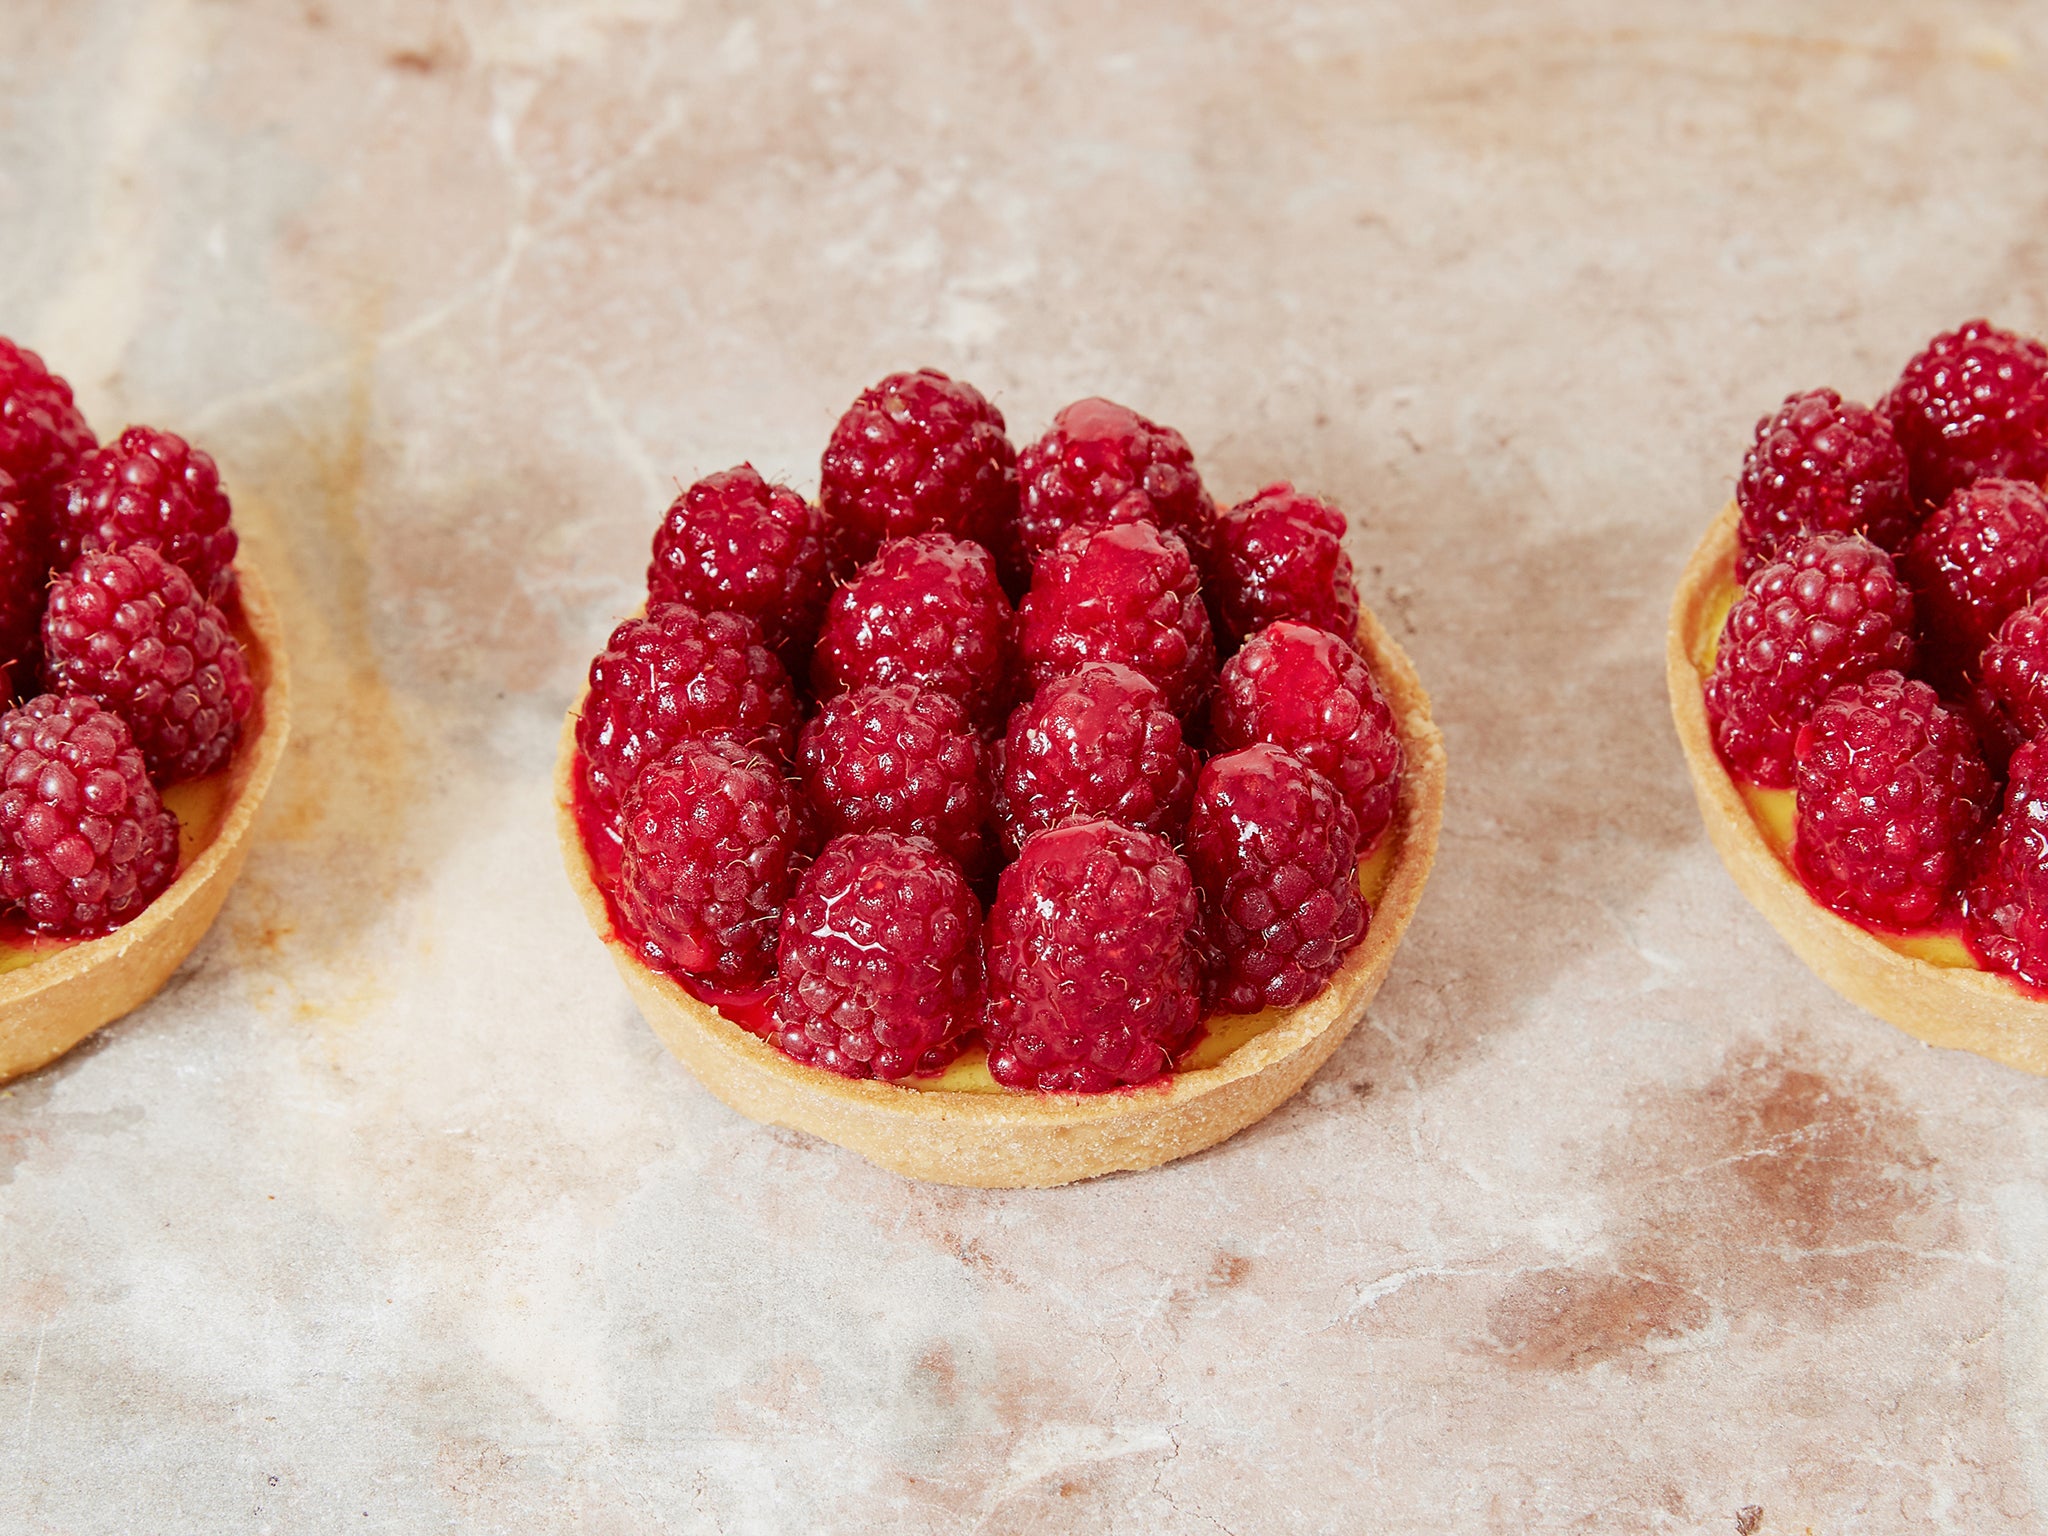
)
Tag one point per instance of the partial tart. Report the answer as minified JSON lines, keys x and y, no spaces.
{"x":1926,"y":985}
{"x":968,"y":1135}
{"x":53,"y":994}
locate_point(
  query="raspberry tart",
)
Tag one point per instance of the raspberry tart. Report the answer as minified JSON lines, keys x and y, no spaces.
{"x":1856,"y":658}
{"x":994,"y":892}
{"x":145,"y":710}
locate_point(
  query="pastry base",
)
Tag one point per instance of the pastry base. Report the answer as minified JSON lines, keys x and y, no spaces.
{"x":1966,"y":1010}
{"x":48,"y":1007}
{"x":1030,"y":1140}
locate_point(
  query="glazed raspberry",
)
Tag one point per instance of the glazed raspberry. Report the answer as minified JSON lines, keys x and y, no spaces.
{"x":1102,"y":463}
{"x":917,"y":453}
{"x":1305,"y":690}
{"x":903,"y":760}
{"x":131,"y":630}
{"x":1830,"y":610}
{"x":2006,"y":907}
{"x":1094,"y":979}
{"x":1821,"y":464}
{"x":149,"y":487}
{"x":880,"y":965}
{"x":1280,"y":555}
{"x":672,"y":676}
{"x":42,"y":436}
{"x":1126,"y":593}
{"x":928,"y":610}
{"x":712,"y":841}
{"x":1099,"y":744}
{"x":1273,"y":848}
{"x":734,"y":542}
{"x":1973,"y":405}
{"x":23,"y":572}
{"x":1997,"y":733}
{"x":1891,"y":792}
{"x":85,"y":844}
{"x":1976,"y":558}
{"x":2014,"y":666}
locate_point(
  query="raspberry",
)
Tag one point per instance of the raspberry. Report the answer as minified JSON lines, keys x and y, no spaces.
{"x":85,"y":844}
{"x":712,"y":840}
{"x":928,"y":610}
{"x":902,"y":760}
{"x":2005,"y":909}
{"x":734,"y":542}
{"x":2014,"y":666}
{"x":1976,"y":558}
{"x":880,"y":960}
{"x":131,"y":630}
{"x":1305,"y":690}
{"x":1971,"y":406}
{"x":23,"y":571}
{"x":1891,"y":792}
{"x":1829,"y":610}
{"x":1094,"y":978}
{"x":149,"y":487}
{"x":1098,"y":744}
{"x":1998,"y":734}
{"x":1280,"y":555}
{"x":1822,"y":465}
{"x":917,"y":453}
{"x":1125,"y":593}
{"x":42,"y":435}
{"x":1102,"y":463}
{"x":672,"y":676}
{"x":1273,"y":847}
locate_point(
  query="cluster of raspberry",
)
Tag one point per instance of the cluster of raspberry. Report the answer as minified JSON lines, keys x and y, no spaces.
{"x":834,"y":780}
{"x":1887,"y":659}
{"x":116,"y":564}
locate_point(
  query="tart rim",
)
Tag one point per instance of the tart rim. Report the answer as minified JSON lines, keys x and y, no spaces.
{"x":1980,"y":1011}
{"x":1036,"y":1140}
{"x":49,"y":1007}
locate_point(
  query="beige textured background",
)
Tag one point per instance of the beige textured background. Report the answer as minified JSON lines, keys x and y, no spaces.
{"x":391,"y":1216}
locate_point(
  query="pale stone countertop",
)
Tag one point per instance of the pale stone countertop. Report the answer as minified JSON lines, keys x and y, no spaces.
{"x":390,"y":1215}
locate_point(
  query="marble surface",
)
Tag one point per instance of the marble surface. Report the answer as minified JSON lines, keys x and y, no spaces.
{"x":390,"y":1215}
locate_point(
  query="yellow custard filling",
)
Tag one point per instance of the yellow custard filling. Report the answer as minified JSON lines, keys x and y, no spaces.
{"x":1224,"y":1033}
{"x":200,"y":807}
{"x":1776,"y":811}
